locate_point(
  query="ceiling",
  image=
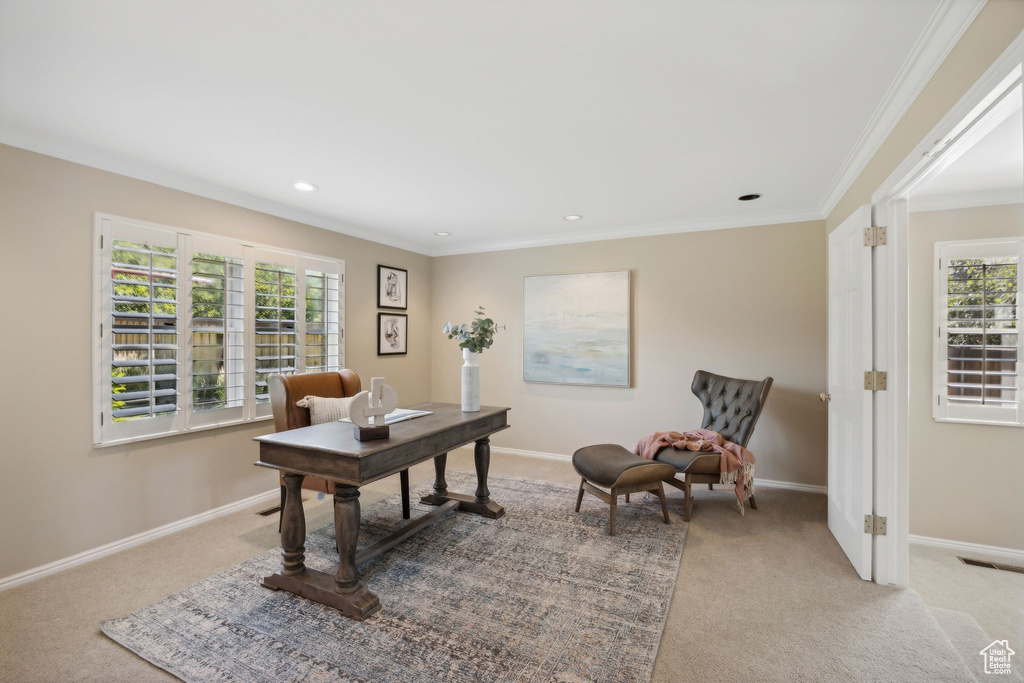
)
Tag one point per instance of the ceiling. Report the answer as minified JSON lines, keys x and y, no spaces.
{"x":990,"y":172}
{"x":487,"y":120}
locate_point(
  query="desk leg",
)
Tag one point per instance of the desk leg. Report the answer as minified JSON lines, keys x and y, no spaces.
{"x":440,"y":494}
{"x":482,"y":460}
{"x":346,"y":529}
{"x":480,"y":503}
{"x":293,"y":527}
{"x":343,"y":590}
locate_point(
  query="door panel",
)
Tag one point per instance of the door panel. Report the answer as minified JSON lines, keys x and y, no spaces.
{"x":850,"y":404}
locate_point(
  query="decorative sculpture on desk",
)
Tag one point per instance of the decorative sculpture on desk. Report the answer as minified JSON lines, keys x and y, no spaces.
{"x":369,"y":409}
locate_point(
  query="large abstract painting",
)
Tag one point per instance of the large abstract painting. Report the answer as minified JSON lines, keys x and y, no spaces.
{"x":576,"y":328}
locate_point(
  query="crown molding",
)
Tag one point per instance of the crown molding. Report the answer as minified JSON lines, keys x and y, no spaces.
{"x":150,"y":173}
{"x":651,"y":230}
{"x":964,"y":200}
{"x":947,"y":24}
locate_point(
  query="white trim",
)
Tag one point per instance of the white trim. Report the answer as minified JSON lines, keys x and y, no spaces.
{"x":964,"y":547}
{"x":150,"y":173}
{"x":540,"y":455}
{"x":132,"y":541}
{"x":651,"y":230}
{"x":948,"y":23}
{"x":889,"y":201}
{"x":963,"y":200}
{"x":792,"y":486}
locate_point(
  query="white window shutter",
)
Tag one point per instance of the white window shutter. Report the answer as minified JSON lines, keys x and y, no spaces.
{"x":323,"y":315}
{"x":216,"y":332}
{"x":140,"y":377}
{"x":276,"y":308}
{"x":978,"y":354}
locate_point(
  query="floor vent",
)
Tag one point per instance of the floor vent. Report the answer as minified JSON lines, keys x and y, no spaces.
{"x":991,"y":565}
{"x":274,"y":510}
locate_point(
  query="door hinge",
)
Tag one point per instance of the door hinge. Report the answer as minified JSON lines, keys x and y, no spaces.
{"x":874,"y":380}
{"x":874,"y":236}
{"x":874,"y":525}
{"x":101,"y":419}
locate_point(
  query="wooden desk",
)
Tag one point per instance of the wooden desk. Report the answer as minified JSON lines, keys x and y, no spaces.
{"x":331,"y":451}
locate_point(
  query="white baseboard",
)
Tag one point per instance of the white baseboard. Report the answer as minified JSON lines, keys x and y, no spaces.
{"x":793,"y":486}
{"x":968,"y":548}
{"x":137,"y":539}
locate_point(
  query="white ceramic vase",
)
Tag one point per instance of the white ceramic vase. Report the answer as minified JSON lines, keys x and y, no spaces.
{"x":470,"y":382}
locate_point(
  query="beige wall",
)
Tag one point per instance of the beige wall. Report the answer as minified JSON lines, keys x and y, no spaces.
{"x":60,"y":495}
{"x":746,"y":302}
{"x":964,"y":479}
{"x":995,"y":27}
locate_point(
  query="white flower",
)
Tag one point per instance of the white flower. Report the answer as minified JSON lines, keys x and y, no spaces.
{"x":447,"y":328}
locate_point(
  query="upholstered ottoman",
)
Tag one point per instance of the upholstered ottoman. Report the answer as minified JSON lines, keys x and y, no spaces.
{"x":621,"y":472}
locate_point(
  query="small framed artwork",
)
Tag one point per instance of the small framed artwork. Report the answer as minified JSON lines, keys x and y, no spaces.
{"x":392,"y":288}
{"x":392,"y":334}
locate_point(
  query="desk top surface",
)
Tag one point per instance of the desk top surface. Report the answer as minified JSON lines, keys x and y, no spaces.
{"x":339,"y":437}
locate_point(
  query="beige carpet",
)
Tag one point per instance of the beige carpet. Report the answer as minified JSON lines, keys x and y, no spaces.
{"x":765,"y":597}
{"x":967,"y":637}
{"x":995,"y":599}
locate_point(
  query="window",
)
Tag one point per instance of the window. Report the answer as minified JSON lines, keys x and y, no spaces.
{"x":977,"y":371}
{"x":191,"y":327}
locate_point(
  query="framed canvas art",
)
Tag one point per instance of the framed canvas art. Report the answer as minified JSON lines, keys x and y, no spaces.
{"x":576,"y":329}
{"x":392,"y":334}
{"x":392,"y":288}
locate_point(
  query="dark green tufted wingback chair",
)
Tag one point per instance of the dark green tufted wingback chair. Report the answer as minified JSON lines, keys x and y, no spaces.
{"x":731,"y":408}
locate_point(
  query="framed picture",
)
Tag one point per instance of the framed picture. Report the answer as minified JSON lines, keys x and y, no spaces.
{"x":392,"y":288}
{"x":392,"y":334}
{"x":576,"y":329}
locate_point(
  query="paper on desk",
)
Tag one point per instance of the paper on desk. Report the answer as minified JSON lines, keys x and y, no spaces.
{"x":398,"y":415}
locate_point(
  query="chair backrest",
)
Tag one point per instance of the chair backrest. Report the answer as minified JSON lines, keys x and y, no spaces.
{"x":731,"y":406}
{"x":285,"y":390}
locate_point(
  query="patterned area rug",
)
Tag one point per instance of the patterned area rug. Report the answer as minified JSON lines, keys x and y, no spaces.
{"x":541,"y":594}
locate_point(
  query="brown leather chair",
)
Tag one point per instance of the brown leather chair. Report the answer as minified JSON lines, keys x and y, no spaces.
{"x":285,"y":390}
{"x":731,"y":408}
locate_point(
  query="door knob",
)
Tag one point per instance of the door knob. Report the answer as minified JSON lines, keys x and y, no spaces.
{"x":823,"y":397}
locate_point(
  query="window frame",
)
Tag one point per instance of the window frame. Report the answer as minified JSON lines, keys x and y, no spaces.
{"x":186,"y":420}
{"x":942,"y":409}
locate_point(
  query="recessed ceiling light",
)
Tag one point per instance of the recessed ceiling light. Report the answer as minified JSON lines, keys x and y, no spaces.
{"x":443,"y":234}
{"x":303,"y":186}
{"x":573,"y":218}
{"x":749,"y":197}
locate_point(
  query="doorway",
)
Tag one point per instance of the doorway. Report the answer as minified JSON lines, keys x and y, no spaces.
{"x":948,"y":310}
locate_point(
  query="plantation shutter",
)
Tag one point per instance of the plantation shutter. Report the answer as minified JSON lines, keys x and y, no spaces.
{"x":216,"y":331}
{"x":140,"y":331}
{"x":275,"y":314}
{"x":978,"y":357}
{"x":191,"y":327}
{"x":322,"y":316}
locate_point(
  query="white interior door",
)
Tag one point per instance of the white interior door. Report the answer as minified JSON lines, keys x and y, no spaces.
{"x":849,"y":405}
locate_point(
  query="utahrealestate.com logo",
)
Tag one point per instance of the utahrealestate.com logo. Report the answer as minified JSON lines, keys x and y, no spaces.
{"x":997,"y":657}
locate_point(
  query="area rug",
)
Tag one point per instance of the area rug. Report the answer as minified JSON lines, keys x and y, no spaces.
{"x":541,"y":594}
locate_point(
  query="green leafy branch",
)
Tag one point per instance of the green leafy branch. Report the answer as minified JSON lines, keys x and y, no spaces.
{"x":476,"y":336}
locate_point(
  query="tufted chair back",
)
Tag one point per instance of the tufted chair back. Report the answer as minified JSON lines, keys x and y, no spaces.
{"x":731,"y":406}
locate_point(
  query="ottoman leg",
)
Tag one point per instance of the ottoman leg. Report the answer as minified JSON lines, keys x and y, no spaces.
{"x":627,"y":499}
{"x":579,"y":497}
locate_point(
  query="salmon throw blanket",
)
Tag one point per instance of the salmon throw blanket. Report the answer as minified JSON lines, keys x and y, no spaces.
{"x":736,"y":462}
